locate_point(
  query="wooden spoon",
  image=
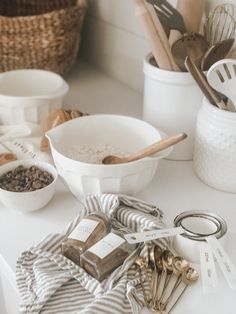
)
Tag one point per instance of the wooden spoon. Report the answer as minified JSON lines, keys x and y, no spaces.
{"x":193,"y":45}
{"x":216,"y":52}
{"x":202,"y":82}
{"x":147,"y":151}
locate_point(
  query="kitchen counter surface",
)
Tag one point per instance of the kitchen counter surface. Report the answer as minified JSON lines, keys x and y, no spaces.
{"x":174,"y":189}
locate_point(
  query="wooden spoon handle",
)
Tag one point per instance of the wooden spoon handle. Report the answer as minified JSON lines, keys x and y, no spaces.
{"x":155,"y":35}
{"x":192,"y":12}
{"x":202,"y":82}
{"x":156,"y":147}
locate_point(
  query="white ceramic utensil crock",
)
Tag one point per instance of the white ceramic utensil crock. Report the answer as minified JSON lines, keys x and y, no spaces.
{"x":171,"y":103}
{"x":215,"y":147}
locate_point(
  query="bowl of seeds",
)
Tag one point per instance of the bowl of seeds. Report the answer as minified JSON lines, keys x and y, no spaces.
{"x":27,"y":185}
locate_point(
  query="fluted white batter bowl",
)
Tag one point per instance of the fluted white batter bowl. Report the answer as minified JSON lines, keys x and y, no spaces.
{"x":125,"y":134}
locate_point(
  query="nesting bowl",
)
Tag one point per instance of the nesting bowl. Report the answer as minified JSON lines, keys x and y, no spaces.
{"x":125,"y":133}
{"x":32,"y":200}
{"x":27,"y":95}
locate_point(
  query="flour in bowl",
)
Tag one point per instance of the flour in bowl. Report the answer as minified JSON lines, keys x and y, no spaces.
{"x":93,"y":154}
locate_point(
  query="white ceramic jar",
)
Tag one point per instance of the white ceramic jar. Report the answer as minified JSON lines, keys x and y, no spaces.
{"x":215,"y":147}
{"x":171,"y":103}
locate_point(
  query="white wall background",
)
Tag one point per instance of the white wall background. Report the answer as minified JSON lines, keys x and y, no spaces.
{"x":113,"y":39}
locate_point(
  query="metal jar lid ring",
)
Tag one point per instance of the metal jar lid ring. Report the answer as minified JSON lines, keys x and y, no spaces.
{"x":206,"y":221}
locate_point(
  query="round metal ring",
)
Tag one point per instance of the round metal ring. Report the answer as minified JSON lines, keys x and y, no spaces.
{"x":219,"y":222}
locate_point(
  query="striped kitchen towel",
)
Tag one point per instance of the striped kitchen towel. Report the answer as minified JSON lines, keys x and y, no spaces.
{"x":49,"y":283}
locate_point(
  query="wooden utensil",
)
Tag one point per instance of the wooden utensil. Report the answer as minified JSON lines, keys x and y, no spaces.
{"x":205,"y":87}
{"x":193,"y":45}
{"x":155,"y":35}
{"x":168,"y":15}
{"x":216,"y":52}
{"x":147,"y":151}
{"x":191,"y":12}
{"x":189,"y":44}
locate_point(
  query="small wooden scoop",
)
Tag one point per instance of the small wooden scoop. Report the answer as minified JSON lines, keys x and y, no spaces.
{"x":147,"y":151}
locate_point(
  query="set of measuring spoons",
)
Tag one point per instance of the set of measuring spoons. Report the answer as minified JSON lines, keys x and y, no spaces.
{"x":198,"y":236}
{"x":167,"y":277}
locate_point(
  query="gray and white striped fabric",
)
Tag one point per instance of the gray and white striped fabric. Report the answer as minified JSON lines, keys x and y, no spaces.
{"x":49,"y":283}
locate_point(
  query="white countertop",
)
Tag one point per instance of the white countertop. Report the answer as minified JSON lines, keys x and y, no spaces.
{"x":174,"y":189}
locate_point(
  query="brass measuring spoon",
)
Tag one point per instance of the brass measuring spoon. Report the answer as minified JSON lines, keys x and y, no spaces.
{"x":189,"y":277}
{"x":142,"y":264}
{"x":155,"y":258}
{"x":180,"y":264}
{"x":167,"y":271}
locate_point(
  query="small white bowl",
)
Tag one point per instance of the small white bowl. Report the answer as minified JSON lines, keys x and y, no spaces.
{"x":28,"y":201}
{"x":27,"y":95}
{"x":126,"y":133}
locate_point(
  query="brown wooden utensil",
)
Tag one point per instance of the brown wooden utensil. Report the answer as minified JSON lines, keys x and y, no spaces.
{"x":193,"y":45}
{"x":205,"y":87}
{"x":216,"y":52}
{"x":191,"y":12}
{"x":147,"y":151}
{"x":155,"y":35}
{"x":168,"y":15}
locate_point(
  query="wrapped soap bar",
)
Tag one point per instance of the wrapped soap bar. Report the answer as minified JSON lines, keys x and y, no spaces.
{"x":89,"y":230}
{"x":106,"y":255}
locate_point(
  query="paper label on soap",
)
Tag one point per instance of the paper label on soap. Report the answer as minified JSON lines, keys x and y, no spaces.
{"x":105,"y":246}
{"x":152,"y":235}
{"x":208,"y":270}
{"x":83,"y":230}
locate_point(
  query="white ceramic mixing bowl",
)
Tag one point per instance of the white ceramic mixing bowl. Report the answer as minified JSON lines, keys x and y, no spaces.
{"x":125,"y":133}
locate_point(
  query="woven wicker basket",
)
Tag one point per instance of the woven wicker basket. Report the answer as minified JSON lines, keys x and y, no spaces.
{"x":42,"y":34}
